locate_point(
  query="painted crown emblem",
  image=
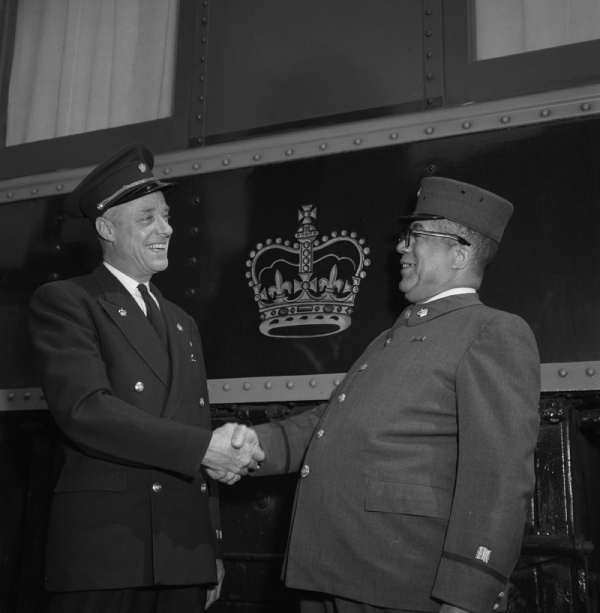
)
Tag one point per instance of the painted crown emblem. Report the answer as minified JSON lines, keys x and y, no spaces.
{"x":307,"y":289}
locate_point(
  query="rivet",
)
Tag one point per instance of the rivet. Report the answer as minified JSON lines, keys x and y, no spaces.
{"x":428,"y":12}
{"x":59,"y":187}
{"x":289,"y":385}
{"x":429,"y":101}
{"x":428,"y":33}
{"x":196,"y":200}
{"x":357,"y":141}
{"x":289,"y":151}
{"x":429,"y":130}
{"x":195,"y":166}
{"x":336,"y":382}
{"x":193,"y":261}
{"x":204,"y":20}
{"x":191,"y":292}
{"x":167,"y":171}
{"x":226,"y":162}
{"x":199,"y":117}
{"x":466,"y":125}
{"x":54,"y":276}
{"x":590,"y":372}
{"x":27,"y":395}
{"x":429,"y":55}
{"x":203,"y":58}
{"x":194,"y":230}
{"x":545,"y":112}
{"x":9,"y":195}
{"x":226,"y":387}
{"x":563,"y":372}
{"x":268,"y":385}
{"x":505,"y":119}
{"x":586,"y":106}
{"x":11,"y":396}
{"x":429,"y":76}
{"x":394,"y":135}
{"x":203,"y":39}
{"x":57,"y":247}
{"x":312,"y":383}
{"x":199,"y":141}
{"x":246,"y":386}
{"x":256,"y":157}
{"x":323,"y":146}
{"x":34,"y":190}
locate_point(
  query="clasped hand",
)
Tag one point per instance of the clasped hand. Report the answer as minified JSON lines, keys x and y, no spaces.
{"x":233,"y":452}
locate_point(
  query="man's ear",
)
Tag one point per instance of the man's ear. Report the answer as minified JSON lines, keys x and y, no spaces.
{"x":105,"y":229}
{"x":462,"y":257}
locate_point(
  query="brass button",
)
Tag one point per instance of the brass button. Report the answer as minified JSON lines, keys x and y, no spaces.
{"x":341,"y":397}
{"x":305,"y":470}
{"x":156,"y":487}
{"x":139,"y":387}
{"x":320,"y":433}
{"x":201,"y":402}
{"x":362,"y":367}
{"x":204,"y":488}
{"x":388,"y":341}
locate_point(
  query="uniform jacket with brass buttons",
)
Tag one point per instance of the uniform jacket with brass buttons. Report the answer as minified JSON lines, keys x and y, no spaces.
{"x":417,"y":475}
{"x":131,"y":506}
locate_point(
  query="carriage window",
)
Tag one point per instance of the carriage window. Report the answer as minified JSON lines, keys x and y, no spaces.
{"x":511,"y":27}
{"x":74,"y":66}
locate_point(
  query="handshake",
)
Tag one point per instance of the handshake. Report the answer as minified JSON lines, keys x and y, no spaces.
{"x":234,"y":451}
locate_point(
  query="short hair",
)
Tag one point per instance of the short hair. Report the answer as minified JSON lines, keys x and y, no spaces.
{"x":483,"y":248}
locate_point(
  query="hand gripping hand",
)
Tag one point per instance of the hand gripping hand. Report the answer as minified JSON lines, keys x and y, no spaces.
{"x":233,"y":451}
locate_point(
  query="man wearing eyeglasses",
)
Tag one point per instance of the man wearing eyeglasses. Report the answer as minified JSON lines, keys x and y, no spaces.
{"x":416,"y":477}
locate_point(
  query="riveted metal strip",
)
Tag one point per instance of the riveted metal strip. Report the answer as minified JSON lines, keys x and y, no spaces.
{"x":571,"y":376}
{"x":198,"y":101}
{"x":555,"y":377}
{"x":433,"y":64}
{"x":342,"y":138}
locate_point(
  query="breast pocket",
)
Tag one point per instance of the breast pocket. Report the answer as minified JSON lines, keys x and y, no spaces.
{"x":91,"y":479}
{"x":407,"y":498}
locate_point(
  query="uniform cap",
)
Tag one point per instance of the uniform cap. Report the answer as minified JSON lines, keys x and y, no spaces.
{"x":125,"y":176}
{"x":471,"y":206}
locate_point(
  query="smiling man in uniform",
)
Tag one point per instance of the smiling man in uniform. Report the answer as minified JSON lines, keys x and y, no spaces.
{"x":134,"y":521}
{"x":416,"y":477}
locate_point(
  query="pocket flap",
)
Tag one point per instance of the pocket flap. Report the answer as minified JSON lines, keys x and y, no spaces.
{"x":90,"y":479}
{"x":408,"y":498}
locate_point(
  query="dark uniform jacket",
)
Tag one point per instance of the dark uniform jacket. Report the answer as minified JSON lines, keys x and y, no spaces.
{"x":419,"y":472}
{"x":131,"y":506}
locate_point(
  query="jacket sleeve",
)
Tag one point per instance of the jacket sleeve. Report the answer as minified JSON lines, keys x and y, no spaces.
{"x":78,"y":390}
{"x":284,"y":442}
{"x":497,"y":397}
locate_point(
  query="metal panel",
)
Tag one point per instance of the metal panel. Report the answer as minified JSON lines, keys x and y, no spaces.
{"x":284,"y":63}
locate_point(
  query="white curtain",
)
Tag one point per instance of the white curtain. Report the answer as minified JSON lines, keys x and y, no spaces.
{"x":82,"y":65}
{"x":506,"y":27}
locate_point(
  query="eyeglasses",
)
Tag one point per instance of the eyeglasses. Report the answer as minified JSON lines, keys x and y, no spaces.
{"x":409,"y":233}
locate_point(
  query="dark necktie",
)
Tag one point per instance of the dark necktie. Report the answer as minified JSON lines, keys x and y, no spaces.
{"x":153,"y":313}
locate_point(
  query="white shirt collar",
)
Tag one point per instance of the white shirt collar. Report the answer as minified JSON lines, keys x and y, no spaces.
{"x":451,"y":292}
{"x":129,"y":283}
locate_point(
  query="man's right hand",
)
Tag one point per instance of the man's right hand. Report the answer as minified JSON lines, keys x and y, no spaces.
{"x":233,"y":451}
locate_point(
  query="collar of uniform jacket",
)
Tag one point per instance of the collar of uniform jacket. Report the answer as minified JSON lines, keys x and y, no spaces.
{"x":417,"y":314}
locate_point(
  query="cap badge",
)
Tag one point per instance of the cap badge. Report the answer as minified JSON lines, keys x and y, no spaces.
{"x":422,"y":312}
{"x":142,"y":167}
{"x":122,"y":312}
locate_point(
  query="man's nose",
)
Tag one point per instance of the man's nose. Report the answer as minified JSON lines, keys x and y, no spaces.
{"x":165,"y":227}
{"x":401,"y":246}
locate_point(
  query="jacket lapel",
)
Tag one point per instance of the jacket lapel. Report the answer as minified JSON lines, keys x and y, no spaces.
{"x":125,"y":312}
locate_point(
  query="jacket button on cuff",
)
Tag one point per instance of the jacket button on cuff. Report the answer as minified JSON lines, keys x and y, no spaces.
{"x":156,"y":487}
{"x":139,"y":387}
{"x":305,"y":470}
